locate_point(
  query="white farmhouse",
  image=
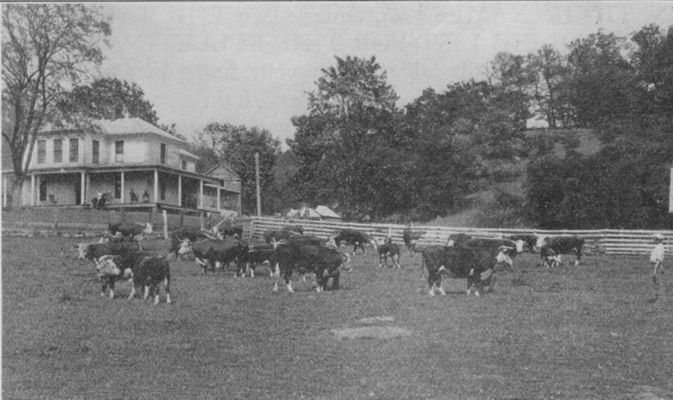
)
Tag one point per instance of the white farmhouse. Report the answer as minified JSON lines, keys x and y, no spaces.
{"x":133,"y":163}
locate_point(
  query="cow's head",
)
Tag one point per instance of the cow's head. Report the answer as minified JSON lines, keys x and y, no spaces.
{"x":376,"y":242}
{"x":83,"y":250}
{"x":346,"y":264}
{"x":185,"y":248}
{"x":540,"y":241}
{"x":503,"y":255}
{"x":148,"y":228}
{"x":107,"y":266}
{"x":519,"y":245}
{"x":331,"y":243}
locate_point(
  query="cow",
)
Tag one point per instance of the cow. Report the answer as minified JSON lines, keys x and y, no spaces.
{"x":475,"y":264}
{"x":457,"y":239}
{"x":549,"y":257}
{"x":231,"y":231}
{"x":567,"y":244}
{"x":275,"y":236}
{"x":193,"y":234}
{"x":92,"y":251}
{"x":324,"y":262}
{"x":353,"y":237}
{"x":140,"y":268}
{"x":131,"y":231}
{"x":410,"y":238}
{"x":525,"y":243}
{"x":211,"y":252}
{"x":387,"y":249}
{"x":260,"y":254}
{"x":293,"y":228}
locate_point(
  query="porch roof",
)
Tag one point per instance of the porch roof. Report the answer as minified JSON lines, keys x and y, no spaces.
{"x":129,"y":168}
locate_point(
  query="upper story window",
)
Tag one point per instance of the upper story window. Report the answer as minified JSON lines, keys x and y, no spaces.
{"x":119,"y":151}
{"x":41,"y":151}
{"x":162,"y":154}
{"x":184,"y":164}
{"x":95,"y":152}
{"x":58,"y":150}
{"x":74,"y":150}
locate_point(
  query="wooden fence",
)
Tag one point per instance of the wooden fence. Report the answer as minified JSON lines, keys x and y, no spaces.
{"x":605,"y":241}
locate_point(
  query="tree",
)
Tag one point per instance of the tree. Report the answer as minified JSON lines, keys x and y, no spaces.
{"x":236,"y":146}
{"x":108,"y":98}
{"x":550,"y":72}
{"x":349,"y":114}
{"x":45,"y":47}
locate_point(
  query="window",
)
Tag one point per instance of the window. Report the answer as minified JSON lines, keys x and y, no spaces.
{"x":162,"y":154}
{"x":95,"y":151}
{"x":58,"y":150}
{"x":41,"y":151}
{"x":43,"y":189}
{"x":119,"y":151}
{"x":184,"y":164}
{"x":74,"y":150}
{"x":118,"y":186}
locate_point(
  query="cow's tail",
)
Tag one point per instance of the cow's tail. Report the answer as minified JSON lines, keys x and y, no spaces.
{"x":422,"y":264}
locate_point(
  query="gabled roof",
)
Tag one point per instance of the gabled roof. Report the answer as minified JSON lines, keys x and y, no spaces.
{"x":122,"y":126}
{"x":212,"y":171}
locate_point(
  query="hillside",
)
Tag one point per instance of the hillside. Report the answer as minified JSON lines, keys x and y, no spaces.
{"x":483,"y":209}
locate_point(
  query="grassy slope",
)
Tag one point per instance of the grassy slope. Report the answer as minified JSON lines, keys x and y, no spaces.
{"x":562,"y":334}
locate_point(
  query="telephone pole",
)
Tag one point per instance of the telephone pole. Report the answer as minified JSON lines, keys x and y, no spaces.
{"x":259,"y":195}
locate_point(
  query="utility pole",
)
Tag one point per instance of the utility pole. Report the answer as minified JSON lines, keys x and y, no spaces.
{"x":259,"y":195}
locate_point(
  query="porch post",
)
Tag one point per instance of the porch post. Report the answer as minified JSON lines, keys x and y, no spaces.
{"x":180,"y":191}
{"x":218,"y":197}
{"x":82,"y":193}
{"x":32,"y":189}
{"x":156,"y":185}
{"x":121,"y":199}
{"x":4,"y":191}
{"x":88,"y":185}
{"x":201,"y":194}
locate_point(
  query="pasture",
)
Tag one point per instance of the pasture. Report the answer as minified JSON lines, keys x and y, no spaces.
{"x":569,"y":333}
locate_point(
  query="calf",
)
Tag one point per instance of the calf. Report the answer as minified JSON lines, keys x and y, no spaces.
{"x":260,"y":254}
{"x":477,"y":265}
{"x":388,"y":249}
{"x":561,"y":245}
{"x":410,"y":238}
{"x":191,"y":234}
{"x":130,"y":231}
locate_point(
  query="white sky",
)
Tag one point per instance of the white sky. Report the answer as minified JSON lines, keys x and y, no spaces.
{"x":252,"y":63}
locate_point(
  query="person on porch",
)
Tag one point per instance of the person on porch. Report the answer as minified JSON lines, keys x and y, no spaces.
{"x":146,"y":197}
{"x":133,"y":196}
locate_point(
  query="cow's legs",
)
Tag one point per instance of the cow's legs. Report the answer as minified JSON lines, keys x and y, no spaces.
{"x":396,"y":261}
{"x":133,"y":291}
{"x":167,"y":287}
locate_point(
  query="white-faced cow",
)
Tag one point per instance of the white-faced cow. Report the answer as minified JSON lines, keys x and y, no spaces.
{"x":477,"y":265}
{"x":142,"y":269}
{"x":567,"y":244}
{"x":353,"y":237}
{"x":210,"y":253}
{"x":191,"y":234}
{"x":324,"y":262}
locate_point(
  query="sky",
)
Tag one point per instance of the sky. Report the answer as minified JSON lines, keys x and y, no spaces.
{"x":253,"y":63}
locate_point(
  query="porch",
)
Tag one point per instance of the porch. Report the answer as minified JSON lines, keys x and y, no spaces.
{"x":132,"y":188}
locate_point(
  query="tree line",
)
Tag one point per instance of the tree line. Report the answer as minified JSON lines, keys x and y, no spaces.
{"x":356,"y":150}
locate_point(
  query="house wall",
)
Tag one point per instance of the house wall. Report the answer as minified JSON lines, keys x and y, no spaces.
{"x":49,"y":155}
{"x":61,"y":188}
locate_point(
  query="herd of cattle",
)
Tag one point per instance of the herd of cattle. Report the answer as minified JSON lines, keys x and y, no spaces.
{"x":119,"y":255}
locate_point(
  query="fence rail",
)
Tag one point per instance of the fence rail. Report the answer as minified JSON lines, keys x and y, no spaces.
{"x":605,"y":241}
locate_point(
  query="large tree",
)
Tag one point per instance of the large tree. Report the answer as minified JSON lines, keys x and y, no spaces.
{"x":45,"y":49}
{"x":349,"y":116}
{"x":108,"y":98}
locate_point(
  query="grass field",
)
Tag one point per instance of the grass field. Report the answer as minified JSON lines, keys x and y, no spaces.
{"x":569,"y":333}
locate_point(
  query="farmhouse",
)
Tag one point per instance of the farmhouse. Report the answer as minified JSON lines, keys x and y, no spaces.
{"x":130,"y":162}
